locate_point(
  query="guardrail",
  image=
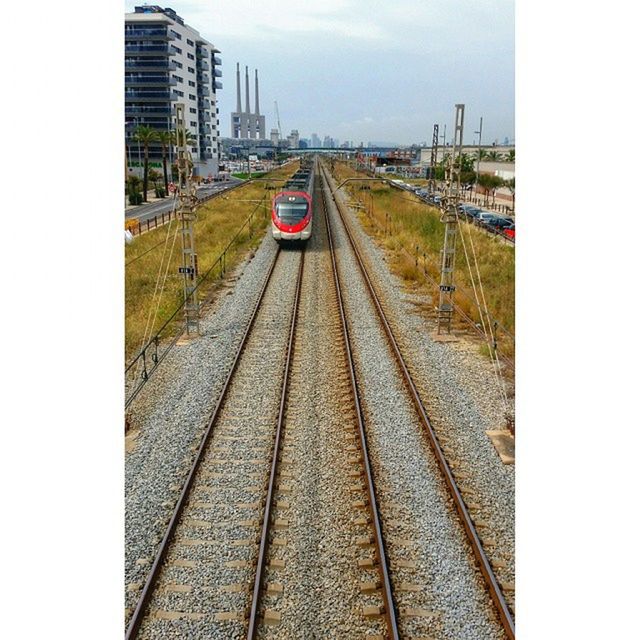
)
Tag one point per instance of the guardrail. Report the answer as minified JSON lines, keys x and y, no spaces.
{"x":138,"y":228}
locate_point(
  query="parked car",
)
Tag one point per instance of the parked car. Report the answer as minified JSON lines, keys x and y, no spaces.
{"x":484,"y":217}
{"x":500,"y":223}
{"x":510,"y":231}
{"x":473,"y":212}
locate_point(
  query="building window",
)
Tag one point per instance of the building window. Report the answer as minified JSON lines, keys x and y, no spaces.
{"x":175,"y":49}
{"x":192,"y":83}
{"x":193,"y":124}
{"x":178,"y":64}
{"x":190,"y":56}
{"x":191,"y":96}
{"x":180,"y":93}
{"x":176,"y":34}
{"x":192,"y":110}
{"x":178,"y":78}
{"x":190,"y":42}
{"x":191,"y":70}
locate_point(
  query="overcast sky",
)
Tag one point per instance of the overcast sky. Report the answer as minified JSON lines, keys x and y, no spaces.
{"x":366,"y":69}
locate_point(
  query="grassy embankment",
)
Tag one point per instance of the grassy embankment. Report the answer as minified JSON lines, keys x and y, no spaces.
{"x":412,"y":224}
{"x":245,"y":175}
{"x":217,"y":223}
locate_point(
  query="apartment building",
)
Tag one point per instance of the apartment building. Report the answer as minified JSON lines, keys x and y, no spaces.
{"x":166,"y":62}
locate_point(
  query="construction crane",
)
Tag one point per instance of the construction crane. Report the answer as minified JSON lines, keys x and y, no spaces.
{"x":278,"y":119}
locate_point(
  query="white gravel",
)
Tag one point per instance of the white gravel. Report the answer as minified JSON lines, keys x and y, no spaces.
{"x":460,"y":391}
{"x":413,"y":501}
{"x":172,"y":410}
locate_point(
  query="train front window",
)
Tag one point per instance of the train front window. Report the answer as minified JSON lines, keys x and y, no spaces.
{"x":291,"y":212}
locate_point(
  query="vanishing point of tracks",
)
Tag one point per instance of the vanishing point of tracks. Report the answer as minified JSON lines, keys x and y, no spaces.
{"x":216,"y":575}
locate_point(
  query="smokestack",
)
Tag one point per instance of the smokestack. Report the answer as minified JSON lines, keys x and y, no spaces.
{"x":257,"y":99}
{"x":238,"y":104}
{"x":246,"y":78}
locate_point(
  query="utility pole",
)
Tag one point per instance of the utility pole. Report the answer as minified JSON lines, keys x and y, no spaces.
{"x":434,"y":160}
{"x":450,"y":219}
{"x":187,"y":213}
{"x":478,"y":160}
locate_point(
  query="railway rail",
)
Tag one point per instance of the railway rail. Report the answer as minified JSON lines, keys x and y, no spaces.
{"x":448,"y":475}
{"x":247,"y":607}
{"x":161,"y":553}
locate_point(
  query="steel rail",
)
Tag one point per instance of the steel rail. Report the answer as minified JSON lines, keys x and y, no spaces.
{"x":145,"y":596}
{"x":472,"y":535}
{"x":266,"y":521}
{"x":387,"y":593}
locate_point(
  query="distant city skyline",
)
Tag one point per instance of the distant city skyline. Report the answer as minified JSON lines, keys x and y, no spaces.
{"x":368,"y":70}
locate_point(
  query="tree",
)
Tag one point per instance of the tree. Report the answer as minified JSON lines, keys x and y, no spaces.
{"x":494,"y":156}
{"x":511,"y":185}
{"x":489,"y":183}
{"x":511,"y":156}
{"x":165,"y":139}
{"x":145,"y":135}
{"x":481,"y":152}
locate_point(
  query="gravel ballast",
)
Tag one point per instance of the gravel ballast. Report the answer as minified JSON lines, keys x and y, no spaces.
{"x":173,"y":408}
{"x":460,"y":391}
{"x":413,"y":501}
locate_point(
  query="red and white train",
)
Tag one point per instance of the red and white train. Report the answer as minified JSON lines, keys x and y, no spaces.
{"x":292,"y":209}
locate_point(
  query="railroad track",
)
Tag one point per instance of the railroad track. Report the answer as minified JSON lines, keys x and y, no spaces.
{"x":221,"y":483}
{"x":279,"y":530}
{"x":483,"y":563}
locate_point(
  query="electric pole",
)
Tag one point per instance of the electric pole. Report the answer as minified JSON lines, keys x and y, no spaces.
{"x":450,"y":219}
{"x":187,"y":213}
{"x":434,"y":160}
{"x":478,"y":159}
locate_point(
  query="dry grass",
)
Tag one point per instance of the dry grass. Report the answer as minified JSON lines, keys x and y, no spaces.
{"x":399,"y":220}
{"x":217,"y":223}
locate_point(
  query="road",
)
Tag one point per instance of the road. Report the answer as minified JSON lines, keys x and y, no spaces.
{"x":148,"y":211}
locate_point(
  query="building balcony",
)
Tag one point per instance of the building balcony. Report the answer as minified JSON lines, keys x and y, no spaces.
{"x":202,"y":65}
{"x":206,"y":155}
{"x":201,"y":53}
{"x":146,"y":49}
{"x":149,"y":96}
{"x":217,"y":85}
{"x":146,"y":110}
{"x":217,"y":72}
{"x":149,"y":65}
{"x":159,"y":35}
{"x":142,"y":80}
{"x":204,"y":116}
{"x":216,"y":60}
{"x":203,"y":91}
{"x":202,"y":77}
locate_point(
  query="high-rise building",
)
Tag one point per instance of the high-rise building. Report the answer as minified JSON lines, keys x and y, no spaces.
{"x":294,"y":139}
{"x":168,"y":62}
{"x":245,"y":124}
{"x":315,"y":141}
{"x":275,"y":137}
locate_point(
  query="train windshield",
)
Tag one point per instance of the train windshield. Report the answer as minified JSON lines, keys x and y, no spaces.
{"x":291,"y":212}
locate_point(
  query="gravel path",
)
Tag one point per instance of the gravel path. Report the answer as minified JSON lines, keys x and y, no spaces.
{"x":459,"y":390}
{"x":419,"y":523}
{"x":169,"y":415}
{"x":321,"y":577}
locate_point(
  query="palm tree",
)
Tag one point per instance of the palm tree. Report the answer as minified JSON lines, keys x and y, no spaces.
{"x":481,"y":153}
{"x":165,"y":139}
{"x":494,"y":156}
{"x":145,"y":135}
{"x":511,"y":156}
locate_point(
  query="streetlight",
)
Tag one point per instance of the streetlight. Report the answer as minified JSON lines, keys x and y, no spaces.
{"x":478,"y":158}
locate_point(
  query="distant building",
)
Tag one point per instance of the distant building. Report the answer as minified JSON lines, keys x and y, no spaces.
{"x":293,"y":138}
{"x":315,"y":141}
{"x":244,"y":124}
{"x":168,"y":62}
{"x":275,"y":137}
